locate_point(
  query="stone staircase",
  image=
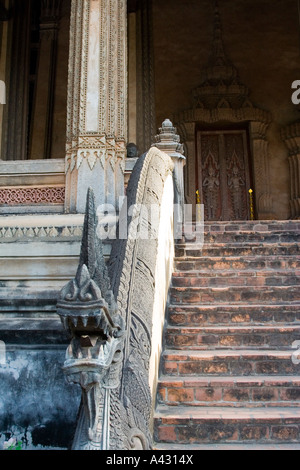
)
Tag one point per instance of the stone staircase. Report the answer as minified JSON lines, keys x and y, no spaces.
{"x":229,"y":378}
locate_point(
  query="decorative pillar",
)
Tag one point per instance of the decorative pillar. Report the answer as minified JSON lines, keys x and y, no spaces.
{"x":291,"y":136}
{"x":97,"y":103}
{"x":43,"y":111}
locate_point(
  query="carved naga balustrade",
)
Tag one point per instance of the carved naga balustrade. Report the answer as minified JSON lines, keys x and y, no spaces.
{"x":108,"y":311}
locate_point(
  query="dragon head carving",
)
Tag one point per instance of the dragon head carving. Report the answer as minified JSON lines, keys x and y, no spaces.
{"x":89,"y":313}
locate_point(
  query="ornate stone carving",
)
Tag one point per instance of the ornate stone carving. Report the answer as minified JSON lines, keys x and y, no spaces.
{"x":88,"y":311}
{"x":97,"y":102}
{"x":109,"y":354}
{"x":40,"y":233}
{"x":32,"y":195}
{"x":132,"y":270}
{"x":169,"y":142}
{"x":221,"y":97}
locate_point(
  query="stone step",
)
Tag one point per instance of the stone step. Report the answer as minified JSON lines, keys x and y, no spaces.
{"x":193,"y":425}
{"x":229,"y":371}
{"x":236,"y":278}
{"x":263,"y":295}
{"x":229,"y":363}
{"x":237,"y":337}
{"x":250,"y":237}
{"x":237,"y":249}
{"x":239,"y":314}
{"x":218,"y":264}
{"x":249,"y":225}
{"x":243,"y":227}
{"x":235,"y":235}
{"x":229,"y":391}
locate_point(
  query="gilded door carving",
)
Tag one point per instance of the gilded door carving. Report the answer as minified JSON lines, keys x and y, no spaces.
{"x":224,"y":174}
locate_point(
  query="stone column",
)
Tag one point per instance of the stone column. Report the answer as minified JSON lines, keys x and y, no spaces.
{"x":97,"y":103}
{"x":291,"y":136}
{"x":43,"y":112}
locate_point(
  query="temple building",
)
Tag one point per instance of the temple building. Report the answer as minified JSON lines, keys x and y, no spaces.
{"x":109,"y":108}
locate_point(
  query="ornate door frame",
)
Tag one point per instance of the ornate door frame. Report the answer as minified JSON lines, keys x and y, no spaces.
{"x":257,"y":120}
{"x":223,"y":173}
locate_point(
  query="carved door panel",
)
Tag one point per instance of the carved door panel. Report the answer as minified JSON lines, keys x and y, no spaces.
{"x":224,"y":174}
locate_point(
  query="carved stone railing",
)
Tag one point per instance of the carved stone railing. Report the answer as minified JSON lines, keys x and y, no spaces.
{"x":115,"y":313}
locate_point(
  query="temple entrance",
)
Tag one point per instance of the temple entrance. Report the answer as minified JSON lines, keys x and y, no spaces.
{"x":223,"y":174}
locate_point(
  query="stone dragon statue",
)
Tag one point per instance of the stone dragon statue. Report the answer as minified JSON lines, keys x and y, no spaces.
{"x":107,"y":311}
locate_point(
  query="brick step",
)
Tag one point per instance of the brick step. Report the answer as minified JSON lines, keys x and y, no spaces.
{"x":229,"y":391}
{"x":245,"y":238}
{"x":191,"y":425}
{"x":228,"y":363}
{"x":237,"y":236}
{"x":236,"y":278}
{"x":240,"y":314}
{"x":249,"y":225}
{"x":238,"y":337}
{"x":237,"y":249}
{"x":242,"y":227}
{"x":221,"y":263}
{"x":263,"y":295}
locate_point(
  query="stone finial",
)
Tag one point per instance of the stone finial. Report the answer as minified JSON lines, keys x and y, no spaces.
{"x":168,"y":140}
